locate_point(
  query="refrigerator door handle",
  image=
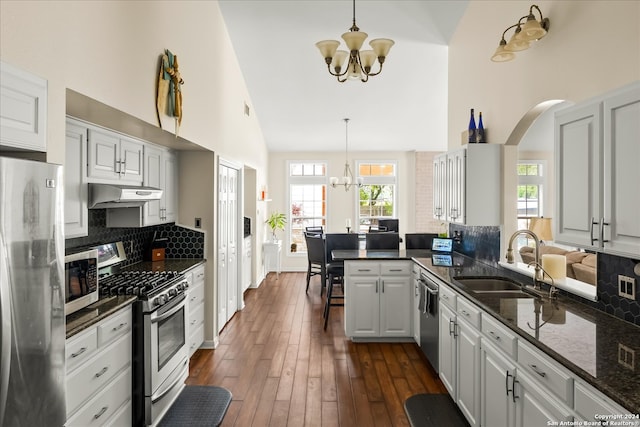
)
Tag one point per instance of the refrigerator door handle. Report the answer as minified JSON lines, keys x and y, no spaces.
{"x":7,"y":328}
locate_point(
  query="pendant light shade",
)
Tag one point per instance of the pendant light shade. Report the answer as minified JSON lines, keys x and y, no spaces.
{"x":523,"y":36}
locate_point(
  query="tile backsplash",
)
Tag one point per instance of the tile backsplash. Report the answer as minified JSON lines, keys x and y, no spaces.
{"x":483,"y":244}
{"x":609,"y":267}
{"x":182,"y":242}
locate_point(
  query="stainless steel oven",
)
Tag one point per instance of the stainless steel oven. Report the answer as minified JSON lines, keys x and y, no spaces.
{"x":166,"y":364}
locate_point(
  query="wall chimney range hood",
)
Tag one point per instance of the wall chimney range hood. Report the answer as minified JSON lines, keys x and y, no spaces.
{"x":120,"y":196}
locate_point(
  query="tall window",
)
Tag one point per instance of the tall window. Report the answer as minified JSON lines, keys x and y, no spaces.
{"x":308,"y":200}
{"x":531,"y":177}
{"x":377,"y":196}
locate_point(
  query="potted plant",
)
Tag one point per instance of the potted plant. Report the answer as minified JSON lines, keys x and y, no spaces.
{"x":276,"y":221}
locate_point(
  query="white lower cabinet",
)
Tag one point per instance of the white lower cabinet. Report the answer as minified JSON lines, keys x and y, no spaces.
{"x":496,"y":387}
{"x":378,"y":299}
{"x":195,"y":309}
{"x":99,"y":381}
{"x":459,"y":357}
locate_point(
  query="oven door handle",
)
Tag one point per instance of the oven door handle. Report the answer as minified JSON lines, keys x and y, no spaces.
{"x":162,"y":393}
{"x":179,"y":306}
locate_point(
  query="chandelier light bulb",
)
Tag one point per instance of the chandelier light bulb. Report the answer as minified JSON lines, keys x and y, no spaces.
{"x":523,"y":35}
{"x":347,"y":176}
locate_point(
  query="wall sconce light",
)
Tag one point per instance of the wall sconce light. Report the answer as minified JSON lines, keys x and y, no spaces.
{"x":523,"y":35}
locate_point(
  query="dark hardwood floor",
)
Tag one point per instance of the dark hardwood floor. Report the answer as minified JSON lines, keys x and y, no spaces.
{"x":283,"y":369}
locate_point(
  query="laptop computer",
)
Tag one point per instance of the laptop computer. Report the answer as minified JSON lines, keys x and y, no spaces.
{"x":441,"y":255}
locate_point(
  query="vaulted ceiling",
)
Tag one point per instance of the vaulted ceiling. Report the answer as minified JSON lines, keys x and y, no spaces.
{"x":300,"y":107}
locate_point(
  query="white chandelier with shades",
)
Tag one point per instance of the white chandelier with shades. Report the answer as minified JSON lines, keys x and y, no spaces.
{"x":346,"y":180}
{"x":360,"y":62}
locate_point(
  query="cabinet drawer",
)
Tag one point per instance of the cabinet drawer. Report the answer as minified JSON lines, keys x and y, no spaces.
{"x":198,"y":275}
{"x":196,"y":295}
{"x":589,"y":402}
{"x":196,"y":315}
{"x":196,"y":339}
{"x":395,"y":268}
{"x":122,"y":417}
{"x":116,"y":326}
{"x":97,"y":372}
{"x":499,"y":335}
{"x":546,"y":372}
{"x":468,"y":312}
{"x":106,"y":404}
{"x":362,"y":268}
{"x":447,"y":296}
{"x":81,"y":348}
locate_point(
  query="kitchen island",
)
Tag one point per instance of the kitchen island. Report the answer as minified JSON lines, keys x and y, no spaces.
{"x":595,"y":347}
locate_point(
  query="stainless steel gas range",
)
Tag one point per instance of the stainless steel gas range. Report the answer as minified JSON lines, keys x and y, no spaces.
{"x":160,"y":354}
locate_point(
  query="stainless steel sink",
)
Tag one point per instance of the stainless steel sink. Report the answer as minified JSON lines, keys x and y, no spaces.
{"x":496,"y":287}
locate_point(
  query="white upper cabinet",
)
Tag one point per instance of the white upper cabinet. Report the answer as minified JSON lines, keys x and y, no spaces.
{"x":597,"y":156}
{"x":114,"y":158}
{"x":160,"y":171}
{"x":76,"y":213}
{"x":467,"y":185}
{"x":23,"y":110}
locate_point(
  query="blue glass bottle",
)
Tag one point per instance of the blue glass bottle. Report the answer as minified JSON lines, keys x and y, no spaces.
{"x":481,"y":136}
{"x":473,"y":136}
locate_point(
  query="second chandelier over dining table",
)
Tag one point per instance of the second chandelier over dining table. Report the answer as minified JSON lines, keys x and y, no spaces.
{"x":360,"y":62}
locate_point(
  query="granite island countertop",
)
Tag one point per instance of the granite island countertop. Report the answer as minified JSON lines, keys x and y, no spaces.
{"x":106,"y":306}
{"x":581,"y":338}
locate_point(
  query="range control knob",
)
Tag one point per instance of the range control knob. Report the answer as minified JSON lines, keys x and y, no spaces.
{"x":172,"y":293}
{"x":161,"y":300}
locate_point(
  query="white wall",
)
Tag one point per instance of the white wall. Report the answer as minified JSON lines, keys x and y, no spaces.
{"x":109,"y":50}
{"x":591,"y":48}
{"x":340,"y":204}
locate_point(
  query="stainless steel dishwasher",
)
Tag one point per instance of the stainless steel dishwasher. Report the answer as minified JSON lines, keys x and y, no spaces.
{"x":429,"y":319}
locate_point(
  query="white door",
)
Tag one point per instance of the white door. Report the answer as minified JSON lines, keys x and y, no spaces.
{"x":497,"y":375}
{"x":447,"y":349}
{"x":228,"y":211}
{"x":468,"y":377}
{"x":395,"y":306}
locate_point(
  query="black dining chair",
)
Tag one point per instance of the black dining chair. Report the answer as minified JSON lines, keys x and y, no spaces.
{"x":389,"y":241}
{"x":315,"y":229}
{"x":335,"y":269}
{"x":316,"y":255}
{"x":391,"y":224}
{"x":419,"y":240}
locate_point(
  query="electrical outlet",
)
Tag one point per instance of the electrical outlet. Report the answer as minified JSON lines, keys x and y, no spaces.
{"x":626,"y":287}
{"x":626,"y":356}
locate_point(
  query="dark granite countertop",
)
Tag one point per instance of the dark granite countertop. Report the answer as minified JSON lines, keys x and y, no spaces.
{"x":182,"y":265}
{"x":92,"y":314}
{"x":106,"y":306}
{"x":378,"y":254}
{"x":586,"y":341}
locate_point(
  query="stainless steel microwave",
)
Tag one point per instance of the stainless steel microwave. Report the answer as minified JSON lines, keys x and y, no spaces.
{"x":81,"y":280}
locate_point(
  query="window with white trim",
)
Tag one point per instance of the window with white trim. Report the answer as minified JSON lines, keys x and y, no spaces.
{"x":531,"y":187}
{"x":307,"y":200}
{"x":378,"y":194}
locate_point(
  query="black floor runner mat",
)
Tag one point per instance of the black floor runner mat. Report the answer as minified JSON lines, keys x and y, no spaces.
{"x":433,"y":410}
{"x":198,"y":406}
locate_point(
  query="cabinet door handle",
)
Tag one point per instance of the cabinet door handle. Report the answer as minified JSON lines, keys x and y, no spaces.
{"x":593,"y":222}
{"x":464,"y":312}
{"x":395,"y":270}
{"x":102,"y":372}
{"x":537,"y":370}
{"x":79,"y":352}
{"x":117,"y":328}
{"x":493,"y":334}
{"x":364,"y":269}
{"x":376,"y":286}
{"x":513,"y":389}
{"x":102,"y":411}
{"x":506,"y":383}
{"x":382,"y":281}
{"x":602,"y":224}
{"x":450,"y":323}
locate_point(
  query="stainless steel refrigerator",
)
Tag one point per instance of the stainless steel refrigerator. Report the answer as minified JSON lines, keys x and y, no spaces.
{"x":32,"y":364}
